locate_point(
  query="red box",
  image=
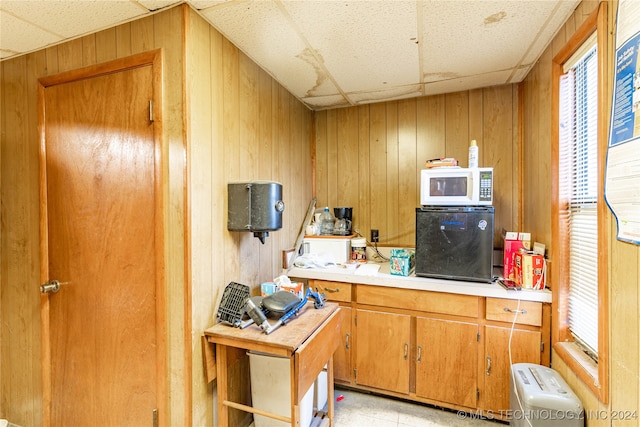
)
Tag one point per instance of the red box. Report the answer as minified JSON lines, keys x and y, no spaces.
{"x":529,"y":270}
{"x":513,"y":242}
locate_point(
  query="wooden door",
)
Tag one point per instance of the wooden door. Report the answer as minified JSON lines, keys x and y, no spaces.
{"x":525,"y":348}
{"x":447,"y":361}
{"x":382,"y":350}
{"x":342,"y":356}
{"x":100,"y":238}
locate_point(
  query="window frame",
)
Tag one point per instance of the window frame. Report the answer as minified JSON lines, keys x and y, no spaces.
{"x":594,"y":375}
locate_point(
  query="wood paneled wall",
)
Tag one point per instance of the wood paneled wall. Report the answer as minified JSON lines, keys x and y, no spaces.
{"x":241,"y":126}
{"x":20,"y":372}
{"x":230,"y":120}
{"x":20,"y":348}
{"x":624,"y":258}
{"x":370,"y":157}
{"x":238,"y":124}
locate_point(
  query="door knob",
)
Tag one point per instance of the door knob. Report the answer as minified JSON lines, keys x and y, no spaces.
{"x":52,"y":286}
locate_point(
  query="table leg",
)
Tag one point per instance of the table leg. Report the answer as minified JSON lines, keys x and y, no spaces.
{"x":330,"y":390}
{"x":295,"y":393}
{"x":222,"y":387}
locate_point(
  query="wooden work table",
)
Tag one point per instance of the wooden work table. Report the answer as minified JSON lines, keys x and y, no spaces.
{"x":308,"y":340}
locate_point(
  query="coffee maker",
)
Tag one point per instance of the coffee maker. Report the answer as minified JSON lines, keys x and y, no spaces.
{"x":342,"y":226}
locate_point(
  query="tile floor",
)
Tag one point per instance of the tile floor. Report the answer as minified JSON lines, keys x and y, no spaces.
{"x":368,"y":410}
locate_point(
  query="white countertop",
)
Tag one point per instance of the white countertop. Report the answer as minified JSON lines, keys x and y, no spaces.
{"x":378,"y":275}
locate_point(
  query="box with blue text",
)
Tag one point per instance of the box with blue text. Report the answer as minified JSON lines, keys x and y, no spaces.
{"x":402,"y":261}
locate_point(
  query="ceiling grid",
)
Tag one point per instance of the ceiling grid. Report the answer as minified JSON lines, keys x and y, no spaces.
{"x":331,"y":53}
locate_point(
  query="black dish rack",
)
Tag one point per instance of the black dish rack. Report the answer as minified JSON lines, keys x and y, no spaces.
{"x":234,"y":298}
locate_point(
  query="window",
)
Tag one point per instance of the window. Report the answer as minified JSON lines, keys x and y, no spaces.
{"x":580,"y":218}
{"x":578,"y":173}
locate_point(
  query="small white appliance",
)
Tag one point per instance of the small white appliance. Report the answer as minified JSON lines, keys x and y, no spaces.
{"x":454,"y":186}
{"x":541,"y":398}
{"x":336,"y":249}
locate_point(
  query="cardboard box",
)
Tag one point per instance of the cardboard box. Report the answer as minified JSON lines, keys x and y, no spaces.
{"x":402,"y":261}
{"x":513,"y":242}
{"x":295,"y":288}
{"x":529,"y":270}
{"x":268,"y":288}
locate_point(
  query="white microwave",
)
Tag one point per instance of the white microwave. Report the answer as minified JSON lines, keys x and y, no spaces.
{"x":453,"y":186}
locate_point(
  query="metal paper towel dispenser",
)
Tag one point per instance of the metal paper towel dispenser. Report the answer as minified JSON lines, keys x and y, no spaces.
{"x":255,"y":206}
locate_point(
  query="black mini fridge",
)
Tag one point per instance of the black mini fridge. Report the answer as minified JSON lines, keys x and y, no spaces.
{"x":455,"y":242}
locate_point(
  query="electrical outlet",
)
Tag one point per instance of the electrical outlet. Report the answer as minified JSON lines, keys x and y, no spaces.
{"x":374,"y":236}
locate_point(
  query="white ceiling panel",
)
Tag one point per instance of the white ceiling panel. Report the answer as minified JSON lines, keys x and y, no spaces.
{"x":555,"y":19}
{"x":466,"y":83}
{"x":73,"y":17}
{"x":334,"y":53}
{"x":484,"y":36}
{"x":12,"y":32}
{"x":398,"y":92}
{"x":326,"y":102}
{"x":271,"y":41}
{"x":154,"y":5}
{"x":349,"y":37}
{"x":518,"y":75}
{"x":206,"y":4}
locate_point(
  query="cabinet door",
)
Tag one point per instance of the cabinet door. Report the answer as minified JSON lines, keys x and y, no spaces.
{"x":342,"y":356}
{"x":382,"y":350}
{"x":447,"y":361}
{"x":525,"y":348}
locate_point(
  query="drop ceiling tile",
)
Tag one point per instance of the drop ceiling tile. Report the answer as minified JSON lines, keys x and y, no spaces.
{"x":72,"y":18}
{"x":467,"y":83}
{"x":554,"y":22}
{"x":519,"y":74}
{"x":393,"y":93}
{"x":12,"y":32}
{"x":334,"y":53}
{"x":154,"y":5}
{"x":205,"y":4}
{"x":457,"y":46}
{"x":482,"y":36}
{"x":262,"y":32}
{"x":326,"y":102}
{"x":363,"y":45}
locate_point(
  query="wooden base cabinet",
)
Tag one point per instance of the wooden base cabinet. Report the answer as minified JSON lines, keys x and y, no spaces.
{"x":446,"y":361}
{"x":518,"y":340}
{"x":342,"y":356}
{"x":341,"y":293}
{"x":525,"y":347}
{"x":383,"y":343}
{"x":449,"y":350}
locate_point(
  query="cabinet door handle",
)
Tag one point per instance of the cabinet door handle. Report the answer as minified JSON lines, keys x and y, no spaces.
{"x":334,"y":290}
{"x":346,"y":342}
{"x":406,"y":351}
{"x":510,"y":310}
{"x":488,"y":371}
{"x":419,"y":353}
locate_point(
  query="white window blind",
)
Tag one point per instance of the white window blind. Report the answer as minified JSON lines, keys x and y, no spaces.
{"x":579,"y":189}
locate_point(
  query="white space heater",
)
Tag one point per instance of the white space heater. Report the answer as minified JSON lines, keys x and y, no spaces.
{"x":541,"y":398}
